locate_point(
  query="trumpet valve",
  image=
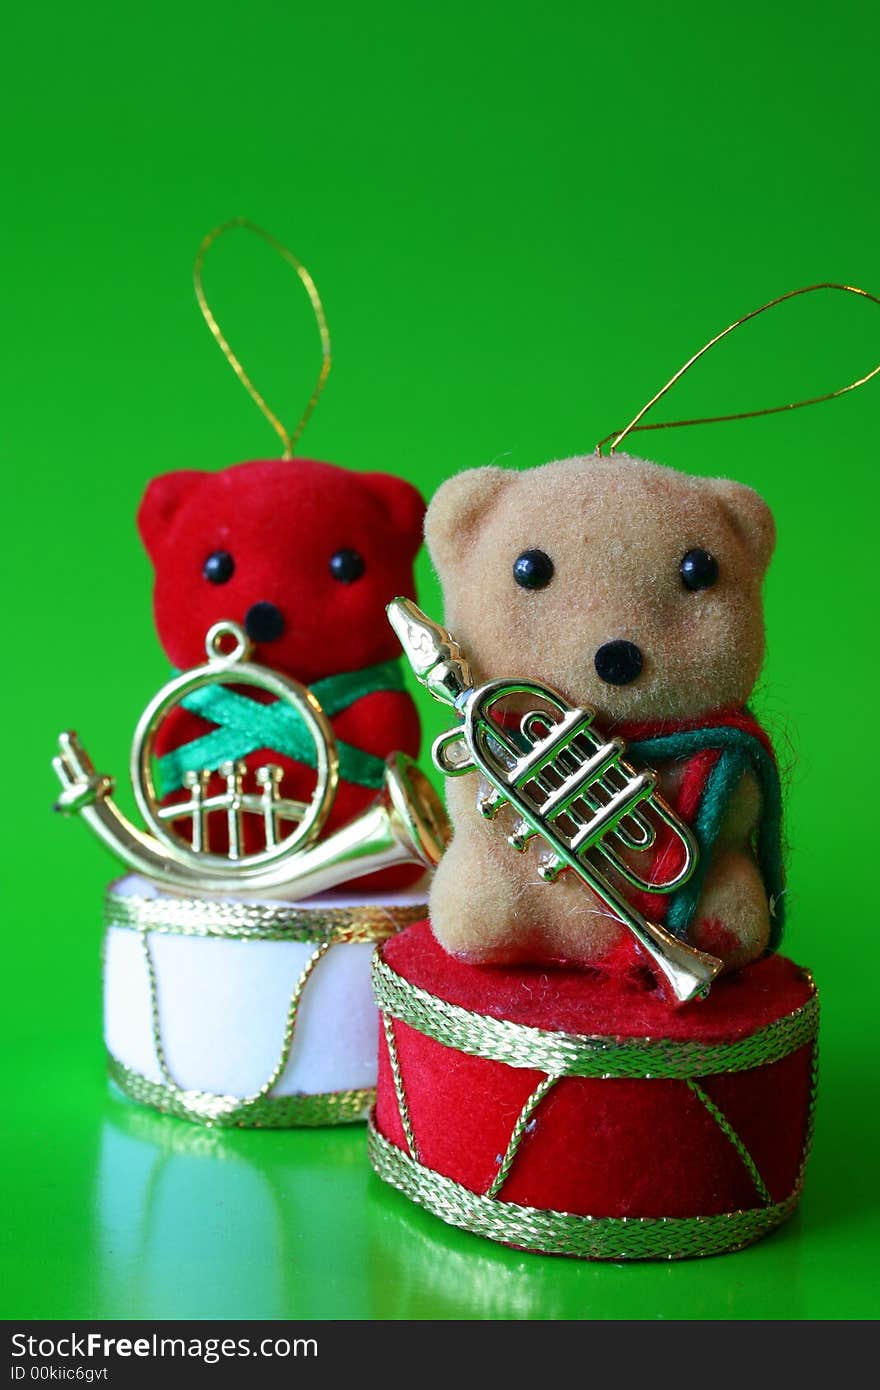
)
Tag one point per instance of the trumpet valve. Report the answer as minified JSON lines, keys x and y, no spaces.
{"x":489,"y":805}
{"x":520,"y":836}
{"x":549,"y":869}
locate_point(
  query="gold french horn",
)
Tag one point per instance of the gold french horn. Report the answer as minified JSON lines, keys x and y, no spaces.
{"x":405,"y":824}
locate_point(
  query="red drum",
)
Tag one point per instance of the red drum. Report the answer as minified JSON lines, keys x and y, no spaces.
{"x":575,"y":1112}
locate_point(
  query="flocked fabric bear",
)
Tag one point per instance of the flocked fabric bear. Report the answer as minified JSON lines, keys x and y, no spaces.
{"x":304,"y":555}
{"x":635,"y":589}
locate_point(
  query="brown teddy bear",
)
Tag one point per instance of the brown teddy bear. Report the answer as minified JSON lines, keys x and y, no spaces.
{"x":635,"y":589}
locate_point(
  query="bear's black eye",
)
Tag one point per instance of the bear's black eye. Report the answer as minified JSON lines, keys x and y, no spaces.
{"x":698,"y":569}
{"x":533,"y":569}
{"x":347,"y":566}
{"x":219,"y":567}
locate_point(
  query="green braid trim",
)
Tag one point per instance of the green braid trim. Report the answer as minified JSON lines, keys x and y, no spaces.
{"x":243,"y":726}
{"x":741,"y":752}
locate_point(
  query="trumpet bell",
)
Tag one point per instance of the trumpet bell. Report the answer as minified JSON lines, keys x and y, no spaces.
{"x":690,"y":973}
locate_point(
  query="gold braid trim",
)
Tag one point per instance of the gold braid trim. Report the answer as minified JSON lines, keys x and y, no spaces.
{"x":578,"y":1054}
{"x":731,"y":1135}
{"x":400,"y":1093}
{"x":242,"y":921}
{"x":563,"y":1233}
{"x":226,"y":1112}
{"x":518,"y":1132}
{"x":289,"y":1024}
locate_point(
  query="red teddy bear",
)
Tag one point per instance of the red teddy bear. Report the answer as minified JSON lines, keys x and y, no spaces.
{"x":305,"y":556}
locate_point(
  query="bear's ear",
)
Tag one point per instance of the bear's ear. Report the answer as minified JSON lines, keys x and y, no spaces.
{"x":750,"y":517}
{"x":160,"y":502}
{"x":457,"y":507}
{"x":403,"y":503}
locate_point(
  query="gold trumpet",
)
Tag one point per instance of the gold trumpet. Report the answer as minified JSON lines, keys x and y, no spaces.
{"x":405,"y":824}
{"x":570,"y":787}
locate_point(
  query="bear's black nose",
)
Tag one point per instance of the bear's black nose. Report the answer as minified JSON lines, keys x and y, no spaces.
{"x":619,"y":662}
{"x":263,"y":622}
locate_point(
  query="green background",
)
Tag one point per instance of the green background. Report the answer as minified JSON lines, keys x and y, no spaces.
{"x":522,"y":219}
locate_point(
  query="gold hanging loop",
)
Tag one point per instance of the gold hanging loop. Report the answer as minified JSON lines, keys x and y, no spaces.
{"x":635,"y":427}
{"x":288,"y":438}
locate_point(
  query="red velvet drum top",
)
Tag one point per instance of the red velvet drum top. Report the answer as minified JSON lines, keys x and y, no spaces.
{"x":576,"y":1112}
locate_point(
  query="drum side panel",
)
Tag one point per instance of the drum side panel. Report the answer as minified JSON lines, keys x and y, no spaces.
{"x":223,"y":1007}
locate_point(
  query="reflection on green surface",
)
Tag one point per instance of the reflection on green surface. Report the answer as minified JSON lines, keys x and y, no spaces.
{"x":122,"y":1212}
{"x":241,"y":1230}
{"x":243,"y":1224}
{"x":456,"y":1275}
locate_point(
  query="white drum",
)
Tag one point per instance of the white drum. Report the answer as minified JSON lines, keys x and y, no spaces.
{"x":247,"y":1013}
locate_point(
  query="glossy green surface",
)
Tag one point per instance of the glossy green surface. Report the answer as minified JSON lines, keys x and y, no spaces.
{"x":522,"y":220}
{"x":119,"y":1212}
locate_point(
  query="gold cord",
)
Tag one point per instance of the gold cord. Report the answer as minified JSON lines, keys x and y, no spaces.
{"x":615,"y":1238}
{"x":155,"y":1019}
{"x":730,"y":1133}
{"x":518,"y":1131}
{"x":212,"y":1110}
{"x":615,"y":438}
{"x":400,"y":1093}
{"x":289,"y":1024}
{"x":576,"y":1054}
{"x":288,"y":438}
{"x":233,"y":920}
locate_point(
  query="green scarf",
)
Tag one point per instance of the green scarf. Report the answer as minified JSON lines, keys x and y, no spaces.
{"x":739,"y":750}
{"x":243,"y":726}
